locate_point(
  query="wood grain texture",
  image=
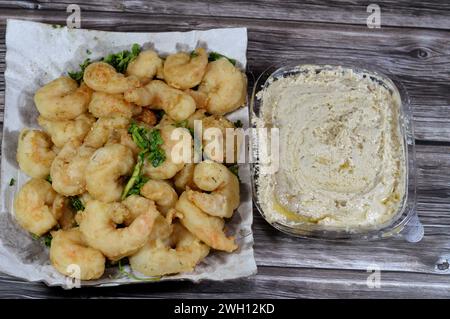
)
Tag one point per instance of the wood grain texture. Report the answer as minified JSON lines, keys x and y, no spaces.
{"x":413,"y":44}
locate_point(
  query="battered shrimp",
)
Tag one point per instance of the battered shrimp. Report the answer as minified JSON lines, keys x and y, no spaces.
{"x":183,"y":70}
{"x":99,"y":226}
{"x":69,"y":250}
{"x":69,"y":167}
{"x":162,"y":193}
{"x":158,"y":258}
{"x":185,"y":178}
{"x":158,"y":95}
{"x":145,"y":66}
{"x":62,"y":99}
{"x":147,"y":117}
{"x":104,"y":129}
{"x":34,"y":153}
{"x":101,"y":76}
{"x":108,"y":105}
{"x":223,"y":88}
{"x":121,"y":136}
{"x":105,"y":169}
{"x":63,"y":131}
{"x":33,"y":207}
{"x":219,"y":124}
{"x":171,"y":165}
{"x":63,"y":212}
{"x":209,"y":229}
{"x":223,"y":186}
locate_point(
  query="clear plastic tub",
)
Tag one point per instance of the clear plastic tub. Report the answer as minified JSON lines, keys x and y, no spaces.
{"x":405,"y":222}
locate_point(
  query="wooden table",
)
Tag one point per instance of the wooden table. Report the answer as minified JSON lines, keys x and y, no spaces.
{"x":413,"y":43}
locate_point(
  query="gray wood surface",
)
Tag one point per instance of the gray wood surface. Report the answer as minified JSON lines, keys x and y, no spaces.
{"x":413,"y":44}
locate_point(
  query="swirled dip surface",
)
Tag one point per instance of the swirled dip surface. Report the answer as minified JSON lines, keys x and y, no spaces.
{"x":342,"y":161}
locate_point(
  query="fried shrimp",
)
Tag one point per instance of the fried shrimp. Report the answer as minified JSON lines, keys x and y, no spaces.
{"x":62,"y":99}
{"x":179,"y":253}
{"x":105,"y":169}
{"x":158,"y":95}
{"x":160,"y":192}
{"x":223,"y":186}
{"x":69,"y":167}
{"x":183,"y":70}
{"x":223,"y":88}
{"x":209,"y":229}
{"x":69,"y":249}
{"x":101,"y":76}
{"x":172,"y":164}
{"x":63,"y":212}
{"x":33,"y":206}
{"x":109,"y":105}
{"x":63,"y":131}
{"x":34,"y":153}
{"x":185,"y":178}
{"x":104,"y":129}
{"x":145,"y":66}
{"x":98,"y":223}
{"x":219,"y":124}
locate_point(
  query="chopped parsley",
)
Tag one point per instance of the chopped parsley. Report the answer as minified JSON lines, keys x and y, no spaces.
{"x":49,"y":179}
{"x":234,"y":169}
{"x":194,"y":54}
{"x":45,"y":239}
{"x":78,"y":76}
{"x":157,"y":156}
{"x":121,"y":59}
{"x":238,"y":124}
{"x":12,"y":181}
{"x":137,"y":180}
{"x":214,"y":56}
{"x":130,"y":275}
{"x":149,"y":141}
{"x":185,"y":124}
{"x":76,"y":203}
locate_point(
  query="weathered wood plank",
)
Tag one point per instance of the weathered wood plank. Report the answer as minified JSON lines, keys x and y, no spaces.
{"x":270,"y":282}
{"x":425,"y":14}
{"x":414,"y":56}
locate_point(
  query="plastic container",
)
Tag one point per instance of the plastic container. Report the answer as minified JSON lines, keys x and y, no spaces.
{"x":405,"y":222}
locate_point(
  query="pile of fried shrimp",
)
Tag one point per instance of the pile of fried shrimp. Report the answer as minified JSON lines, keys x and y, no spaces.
{"x":104,"y":184}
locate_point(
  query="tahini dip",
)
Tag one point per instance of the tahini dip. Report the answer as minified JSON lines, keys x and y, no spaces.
{"x":342,"y":161}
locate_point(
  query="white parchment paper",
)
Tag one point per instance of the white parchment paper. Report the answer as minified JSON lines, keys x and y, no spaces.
{"x":37,"y":53}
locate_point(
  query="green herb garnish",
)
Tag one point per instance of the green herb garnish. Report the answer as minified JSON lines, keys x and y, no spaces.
{"x":49,"y":179}
{"x":234,"y":169}
{"x":136,"y":181}
{"x":150,"y":142}
{"x":238,"y":124}
{"x":194,"y":54}
{"x":138,"y":134}
{"x":48,"y":240}
{"x":88,"y":51}
{"x":78,"y":76}
{"x":130,"y":275}
{"x":45,"y":239}
{"x":12,"y":181}
{"x":185,"y":124}
{"x":214,"y":56}
{"x":76,"y":203}
{"x":156,"y":156}
{"x":121,"y":59}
